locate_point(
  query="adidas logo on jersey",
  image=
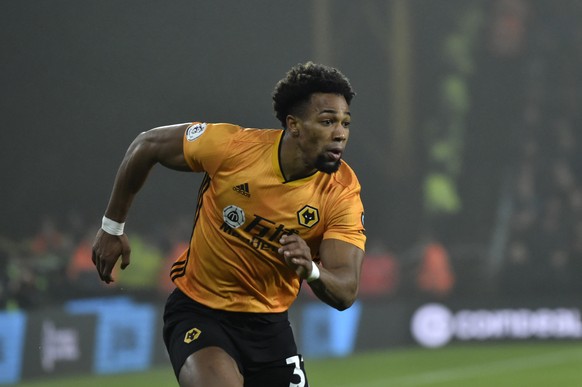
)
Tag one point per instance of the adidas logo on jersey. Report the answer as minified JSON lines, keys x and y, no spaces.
{"x":242,"y":189}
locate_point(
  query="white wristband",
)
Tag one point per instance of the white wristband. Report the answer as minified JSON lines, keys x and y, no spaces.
{"x":112,"y":227}
{"x":314,"y":273}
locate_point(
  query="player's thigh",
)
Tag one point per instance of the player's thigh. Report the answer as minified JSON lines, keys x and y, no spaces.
{"x":288,"y":372}
{"x":210,"y":367}
{"x":189,"y":328}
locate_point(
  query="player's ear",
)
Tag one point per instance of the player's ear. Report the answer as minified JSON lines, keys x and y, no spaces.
{"x":293,"y":125}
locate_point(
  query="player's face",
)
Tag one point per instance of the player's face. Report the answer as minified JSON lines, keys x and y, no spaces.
{"x":324,"y":131}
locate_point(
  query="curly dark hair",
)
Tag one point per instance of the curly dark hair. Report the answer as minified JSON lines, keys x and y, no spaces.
{"x":303,"y":80}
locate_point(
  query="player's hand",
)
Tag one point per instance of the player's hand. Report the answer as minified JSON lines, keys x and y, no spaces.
{"x":107,"y":249}
{"x":296,"y":254}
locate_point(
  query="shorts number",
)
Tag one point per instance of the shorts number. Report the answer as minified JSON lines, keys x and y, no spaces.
{"x":297,"y":371}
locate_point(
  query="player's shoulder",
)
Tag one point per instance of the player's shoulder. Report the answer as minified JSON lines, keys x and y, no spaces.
{"x":246,"y":134}
{"x":259,"y":135}
{"x":208,"y":131}
{"x":345,"y":176}
{"x":224,"y":128}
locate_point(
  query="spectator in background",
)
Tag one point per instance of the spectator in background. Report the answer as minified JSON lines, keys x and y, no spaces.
{"x":142,"y":280}
{"x":43,"y":262}
{"x":435,"y":275}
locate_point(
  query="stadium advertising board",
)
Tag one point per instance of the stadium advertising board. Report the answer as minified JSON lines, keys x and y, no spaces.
{"x":435,"y":325}
{"x":327,"y":332}
{"x":12,"y":330}
{"x":124,"y":337}
{"x":117,"y":335}
{"x":58,"y":344}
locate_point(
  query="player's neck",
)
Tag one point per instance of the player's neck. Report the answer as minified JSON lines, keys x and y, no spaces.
{"x":292,"y":164}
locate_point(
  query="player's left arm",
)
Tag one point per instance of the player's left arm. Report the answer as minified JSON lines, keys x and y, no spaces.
{"x":339,"y":272}
{"x":339,"y":278}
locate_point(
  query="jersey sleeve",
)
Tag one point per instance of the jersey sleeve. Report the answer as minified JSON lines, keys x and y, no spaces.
{"x":206,"y":145}
{"x":346,"y":220}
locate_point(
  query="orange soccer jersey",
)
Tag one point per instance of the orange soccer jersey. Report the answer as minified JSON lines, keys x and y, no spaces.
{"x":245,"y":206}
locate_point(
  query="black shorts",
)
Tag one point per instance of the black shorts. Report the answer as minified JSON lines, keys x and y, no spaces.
{"x":262,"y":344}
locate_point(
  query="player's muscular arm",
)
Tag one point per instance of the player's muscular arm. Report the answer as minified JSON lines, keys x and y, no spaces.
{"x":161,"y":145}
{"x":339,"y":279}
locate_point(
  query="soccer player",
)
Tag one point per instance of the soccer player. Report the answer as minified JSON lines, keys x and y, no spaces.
{"x":276,"y":207}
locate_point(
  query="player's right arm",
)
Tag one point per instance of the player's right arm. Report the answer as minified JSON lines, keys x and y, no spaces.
{"x":163,"y":145}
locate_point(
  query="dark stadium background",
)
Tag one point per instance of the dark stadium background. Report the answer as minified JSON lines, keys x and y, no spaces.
{"x":466,"y":134}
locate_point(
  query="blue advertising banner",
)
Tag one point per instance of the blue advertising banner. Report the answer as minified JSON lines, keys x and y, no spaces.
{"x":328,"y":332}
{"x":12,"y":331}
{"x":125,"y":333}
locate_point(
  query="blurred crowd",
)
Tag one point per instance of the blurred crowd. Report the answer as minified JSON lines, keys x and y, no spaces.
{"x":55,"y":265}
{"x":544,"y":248}
{"x":544,"y":243}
